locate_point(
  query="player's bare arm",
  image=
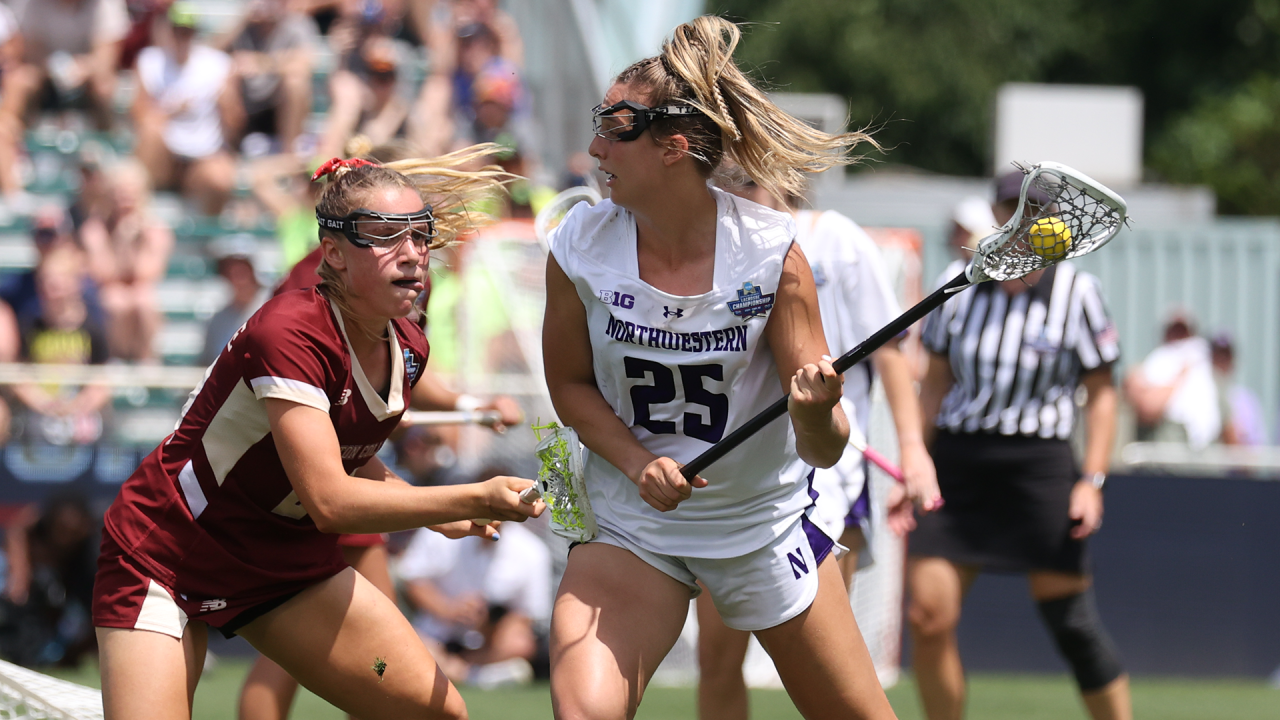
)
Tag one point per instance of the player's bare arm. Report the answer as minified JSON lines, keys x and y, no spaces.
{"x":431,"y":393}
{"x":800,"y":350}
{"x":921,"y":478}
{"x":937,"y":381}
{"x":1100,"y":428}
{"x":341,"y":503}
{"x":578,"y":401}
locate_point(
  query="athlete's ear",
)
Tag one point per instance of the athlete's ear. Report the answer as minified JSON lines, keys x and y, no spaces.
{"x":674,"y":149}
{"x":331,"y":253}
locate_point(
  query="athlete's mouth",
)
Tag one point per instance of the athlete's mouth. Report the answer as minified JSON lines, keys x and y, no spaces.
{"x":408,"y":283}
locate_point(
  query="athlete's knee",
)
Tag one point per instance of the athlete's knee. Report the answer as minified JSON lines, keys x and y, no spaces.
{"x":1077,"y":629}
{"x":718,"y":662}
{"x":582,"y":702}
{"x":932,"y":618}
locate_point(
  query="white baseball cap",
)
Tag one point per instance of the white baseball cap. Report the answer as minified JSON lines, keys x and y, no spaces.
{"x":974,"y":214}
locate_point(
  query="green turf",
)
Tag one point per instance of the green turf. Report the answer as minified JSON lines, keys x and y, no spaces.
{"x":991,"y":697}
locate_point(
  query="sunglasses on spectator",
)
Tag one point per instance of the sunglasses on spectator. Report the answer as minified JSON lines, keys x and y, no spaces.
{"x":370,"y":229}
{"x":627,"y":120}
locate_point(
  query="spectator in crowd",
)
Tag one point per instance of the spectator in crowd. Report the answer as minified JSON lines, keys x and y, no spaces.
{"x":51,"y":229}
{"x":62,"y":333}
{"x":272,"y":52}
{"x":142,"y":18}
{"x":95,"y":196}
{"x":9,"y":343}
{"x":49,"y":556}
{"x":13,"y":76}
{"x":480,"y":603}
{"x":1172,"y":390}
{"x":187,"y":105}
{"x":971,"y":221}
{"x":234,"y":255}
{"x":128,"y":251}
{"x":72,"y":54}
{"x":1241,"y":410}
{"x":496,"y":95}
{"x":282,"y":184}
{"x":580,"y":171}
{"x":370,"y":95}
{"x":466,"y":39}
{"x":427,"y":455}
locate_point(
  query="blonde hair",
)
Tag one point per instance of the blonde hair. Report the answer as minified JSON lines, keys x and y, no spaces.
{"x":443,"y":182}
{"x":739,"y":122}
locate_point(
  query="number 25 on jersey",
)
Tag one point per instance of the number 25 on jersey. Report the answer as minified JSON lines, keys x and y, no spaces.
{"x":663,"y":390}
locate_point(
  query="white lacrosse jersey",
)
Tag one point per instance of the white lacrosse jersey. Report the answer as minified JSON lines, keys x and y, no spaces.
{"x":683,"y":371}
{"x":856,"y":299}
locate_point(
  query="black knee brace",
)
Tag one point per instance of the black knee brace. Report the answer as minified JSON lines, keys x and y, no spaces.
{"x":1082,"y":640}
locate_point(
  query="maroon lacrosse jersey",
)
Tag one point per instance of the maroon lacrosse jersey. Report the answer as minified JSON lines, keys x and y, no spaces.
{"x":211,"y":512}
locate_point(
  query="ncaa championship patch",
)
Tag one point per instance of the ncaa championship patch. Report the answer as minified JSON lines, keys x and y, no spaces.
{"x":751,"y":302}
{"x":412,"y":368}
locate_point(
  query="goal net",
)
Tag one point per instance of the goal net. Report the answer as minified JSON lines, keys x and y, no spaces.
{"x":28,"y":694}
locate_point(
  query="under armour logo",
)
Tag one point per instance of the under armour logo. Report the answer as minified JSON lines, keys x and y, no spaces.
{"x":668,"y":312}
{"x":346,"y":395}
{"x":212,"y":605}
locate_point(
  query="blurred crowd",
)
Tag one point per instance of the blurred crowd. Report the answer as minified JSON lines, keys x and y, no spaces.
{"x":221,"y":111}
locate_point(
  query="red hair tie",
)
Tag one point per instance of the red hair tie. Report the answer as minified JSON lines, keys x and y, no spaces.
{"x":336,"y":163}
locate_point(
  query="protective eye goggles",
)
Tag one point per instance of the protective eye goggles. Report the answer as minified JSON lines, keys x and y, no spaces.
{"x":626,"y":120}
{"x":368,"y":229}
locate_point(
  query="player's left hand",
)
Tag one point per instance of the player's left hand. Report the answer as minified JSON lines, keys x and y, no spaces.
{"x":465,"y":528}
{"x":509,"y":413}
{"x":900,"y":510}
{"x":1085,"y":507}
{"x":920,"y":477}
{"x":815,"y":388}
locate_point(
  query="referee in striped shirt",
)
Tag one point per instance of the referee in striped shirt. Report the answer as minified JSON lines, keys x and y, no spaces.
{"x":1006,"y":360}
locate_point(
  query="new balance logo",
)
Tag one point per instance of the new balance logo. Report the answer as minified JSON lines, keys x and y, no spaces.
{"x":668,"y":312}
{"x":798,"y":563}
{"x":346,"y":395}
{"x":212,"y":605}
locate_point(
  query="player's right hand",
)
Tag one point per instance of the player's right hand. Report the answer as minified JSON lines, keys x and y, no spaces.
{"x":664,"y":487}
{"x":500,"y":498}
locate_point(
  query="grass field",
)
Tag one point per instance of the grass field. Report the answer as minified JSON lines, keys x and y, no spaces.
{"x":991,"y":697}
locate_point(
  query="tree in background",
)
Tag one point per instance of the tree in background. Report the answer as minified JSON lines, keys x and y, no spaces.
{"x":928,"y":71}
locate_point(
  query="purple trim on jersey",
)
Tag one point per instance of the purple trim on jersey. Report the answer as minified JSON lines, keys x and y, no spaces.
{"x":861,"y":508}
{"x":819,"y":542}
{"x":813,"y":494}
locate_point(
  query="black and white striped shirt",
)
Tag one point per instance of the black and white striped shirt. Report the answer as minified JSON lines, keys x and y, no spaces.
{"x":1017,"y":360}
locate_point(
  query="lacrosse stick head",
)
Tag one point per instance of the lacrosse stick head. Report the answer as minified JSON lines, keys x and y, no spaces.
{"x":549,"y":216}
{"x":1082,"y":214}
{"x":562,"y":485}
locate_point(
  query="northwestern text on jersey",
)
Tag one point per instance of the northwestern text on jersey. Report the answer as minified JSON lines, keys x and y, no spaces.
{"x":732,"y":339}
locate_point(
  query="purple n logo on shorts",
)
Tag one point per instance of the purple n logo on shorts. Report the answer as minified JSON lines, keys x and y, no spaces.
{"x":797,"y":563}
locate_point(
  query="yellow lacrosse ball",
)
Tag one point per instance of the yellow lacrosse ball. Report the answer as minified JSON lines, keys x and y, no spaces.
{"x":1050,"y":238}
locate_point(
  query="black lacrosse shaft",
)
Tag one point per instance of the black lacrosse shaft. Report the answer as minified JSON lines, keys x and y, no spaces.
{"x":841,"y":364}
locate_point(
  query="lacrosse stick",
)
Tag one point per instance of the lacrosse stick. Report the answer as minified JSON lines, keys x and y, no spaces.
{"x":549,"y":217}
{"x":560,"y":484}
{"x":451,"y":417}
{"x":1091,"y":215}
{"x":859,"y":443}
